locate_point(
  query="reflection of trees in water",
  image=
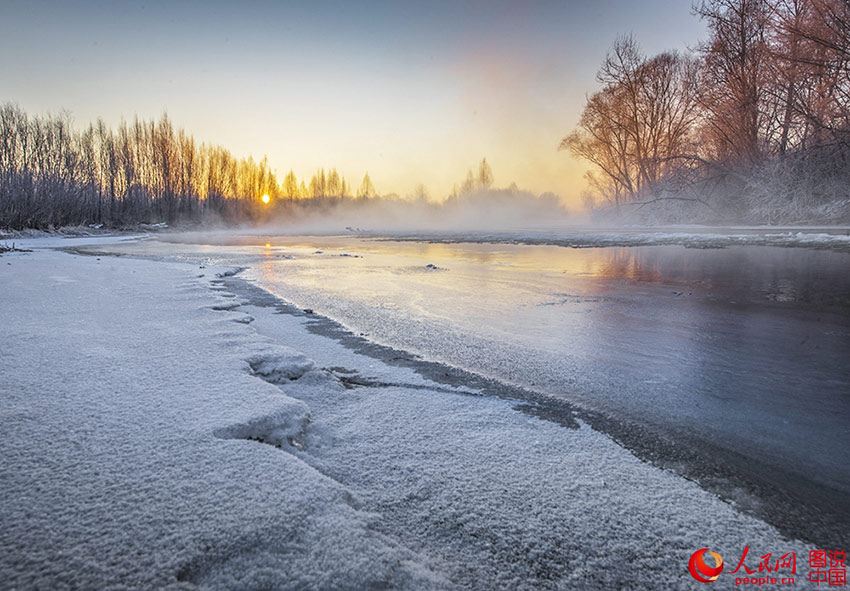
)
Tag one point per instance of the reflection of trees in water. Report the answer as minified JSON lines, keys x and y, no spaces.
{"x":753,"y":274}
{"x":632,"y":264}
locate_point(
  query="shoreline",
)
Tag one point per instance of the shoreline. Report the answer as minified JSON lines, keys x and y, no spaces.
{"x":799,"y":507}
{"x":834,"y":238}
{"x":446,"y":486}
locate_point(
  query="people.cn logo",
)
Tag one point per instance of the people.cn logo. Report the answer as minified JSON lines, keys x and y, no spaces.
{"x":700,"y":570}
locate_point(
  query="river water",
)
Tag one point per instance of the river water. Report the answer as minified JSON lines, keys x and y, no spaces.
{"x":745,"y":347}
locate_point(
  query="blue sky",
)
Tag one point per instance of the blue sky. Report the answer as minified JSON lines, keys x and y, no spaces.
{"x":410,"y":92}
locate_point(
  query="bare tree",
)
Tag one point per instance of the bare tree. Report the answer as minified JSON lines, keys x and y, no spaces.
{"x":816,"y":35}
{"x":420,"y":193}
{"x":734,"y":77}
{"x":366,"y":189}
{"x":318,"y":185}
{"x":643,"y":114}
{"x":290,"y":186}
{"x":334,"y":184}
{"x":468,"y":184}
{"x":485,"y":175}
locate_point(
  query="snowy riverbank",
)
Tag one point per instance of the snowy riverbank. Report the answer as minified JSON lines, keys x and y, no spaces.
{"x":835,"y":238}
{"x":160,"y":431}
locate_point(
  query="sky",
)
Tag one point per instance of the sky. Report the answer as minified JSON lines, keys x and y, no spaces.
{"x":408,"y":92}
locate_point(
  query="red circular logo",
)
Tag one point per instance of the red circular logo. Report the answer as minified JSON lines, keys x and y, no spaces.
{"x":700,"y":570}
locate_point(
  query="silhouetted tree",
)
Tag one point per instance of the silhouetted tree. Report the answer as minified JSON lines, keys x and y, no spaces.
{"x":485,"y":175}
{"x":290,"y":186}
{"x":366,"y":189}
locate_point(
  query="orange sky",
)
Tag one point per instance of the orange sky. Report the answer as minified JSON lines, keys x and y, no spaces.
{"x":411,"y":93}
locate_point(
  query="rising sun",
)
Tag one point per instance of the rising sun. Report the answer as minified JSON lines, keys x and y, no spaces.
{"x":265,"y":198}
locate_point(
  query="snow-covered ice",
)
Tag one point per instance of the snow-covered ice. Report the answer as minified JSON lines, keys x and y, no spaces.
{"x":830,"y":238}
{"x":124,"y":397}
{"x":152,"y":438}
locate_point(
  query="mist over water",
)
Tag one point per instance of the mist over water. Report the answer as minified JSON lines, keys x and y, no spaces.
{"x":477,"y":211}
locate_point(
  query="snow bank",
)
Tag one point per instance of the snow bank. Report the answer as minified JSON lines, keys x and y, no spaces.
{"x":131,"y":426}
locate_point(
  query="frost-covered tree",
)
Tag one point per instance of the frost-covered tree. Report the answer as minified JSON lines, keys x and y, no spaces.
{"x":734,"y":78}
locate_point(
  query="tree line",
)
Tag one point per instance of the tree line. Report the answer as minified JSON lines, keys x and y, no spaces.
{"x":753,"y":122}
{"x":144,"y":171}
{"x":148,"y":171}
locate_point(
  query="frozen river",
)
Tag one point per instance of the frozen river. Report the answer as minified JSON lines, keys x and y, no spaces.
{"x":744,"y":348}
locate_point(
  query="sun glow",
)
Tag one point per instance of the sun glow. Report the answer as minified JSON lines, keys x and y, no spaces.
{"x":265,"y":198}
